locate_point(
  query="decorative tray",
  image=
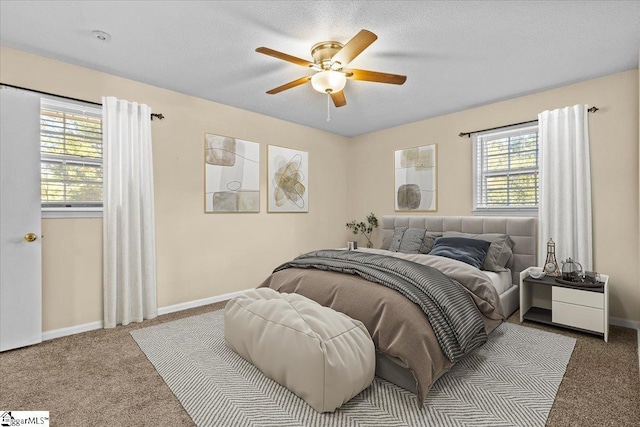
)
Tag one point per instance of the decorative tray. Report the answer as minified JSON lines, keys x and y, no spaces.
{"x":581,"y":284}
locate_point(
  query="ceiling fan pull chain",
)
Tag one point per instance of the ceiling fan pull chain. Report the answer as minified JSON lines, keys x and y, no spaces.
{"x":328,"y":107}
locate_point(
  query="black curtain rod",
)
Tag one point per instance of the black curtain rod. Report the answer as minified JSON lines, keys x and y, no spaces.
{"x":158,"y":116}
{"x":463,"y":134}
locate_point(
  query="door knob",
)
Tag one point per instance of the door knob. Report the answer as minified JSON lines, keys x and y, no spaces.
{"x":30,"y":237}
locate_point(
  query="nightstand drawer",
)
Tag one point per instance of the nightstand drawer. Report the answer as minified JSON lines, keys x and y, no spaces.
{"x":575,"y":296}
{"x":578,"y":316}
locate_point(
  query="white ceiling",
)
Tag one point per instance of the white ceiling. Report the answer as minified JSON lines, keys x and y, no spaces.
{"x":455,"y":54}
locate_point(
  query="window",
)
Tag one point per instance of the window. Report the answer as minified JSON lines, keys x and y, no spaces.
{"x":506,"y":170}
{"x":71,"y":159}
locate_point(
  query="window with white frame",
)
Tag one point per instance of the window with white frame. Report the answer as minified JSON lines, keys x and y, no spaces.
{"x":71,"y":158}
{"x":506,"y":170}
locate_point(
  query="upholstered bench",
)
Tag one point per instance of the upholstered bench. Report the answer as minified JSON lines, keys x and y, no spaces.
{"x":323,"y":356}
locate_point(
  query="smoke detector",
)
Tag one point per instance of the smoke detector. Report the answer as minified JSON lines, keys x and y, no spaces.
{"x":101,"y":35}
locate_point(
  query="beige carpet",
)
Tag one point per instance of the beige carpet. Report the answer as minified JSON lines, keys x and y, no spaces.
{"x":102,"y":378}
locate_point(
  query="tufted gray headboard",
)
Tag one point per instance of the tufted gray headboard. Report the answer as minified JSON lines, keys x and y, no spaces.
{"x":523,"y":231}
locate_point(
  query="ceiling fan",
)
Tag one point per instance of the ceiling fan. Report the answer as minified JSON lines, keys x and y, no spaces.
{"x":329,"y":61}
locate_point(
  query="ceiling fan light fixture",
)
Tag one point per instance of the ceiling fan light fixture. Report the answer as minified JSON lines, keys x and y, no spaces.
{"x":329,"y":60}
{"x":328,"y":81}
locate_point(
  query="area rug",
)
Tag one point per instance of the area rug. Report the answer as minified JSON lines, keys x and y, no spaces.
{"x":512,"y":380}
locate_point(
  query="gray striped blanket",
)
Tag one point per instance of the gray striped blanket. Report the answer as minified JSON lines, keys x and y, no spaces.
{"x":453,"y":315}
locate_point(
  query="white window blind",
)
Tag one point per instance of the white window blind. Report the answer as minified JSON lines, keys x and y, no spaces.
{"x":71,"y":155}
{"x":506,"y":170}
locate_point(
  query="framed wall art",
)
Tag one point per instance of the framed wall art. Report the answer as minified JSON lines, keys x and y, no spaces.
{"x":232,"y":174}
{"x":287,"y":180}
{"x":416,"y":187}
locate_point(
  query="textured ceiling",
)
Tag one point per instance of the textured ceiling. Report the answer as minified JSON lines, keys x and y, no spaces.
{"x":455,"y":54}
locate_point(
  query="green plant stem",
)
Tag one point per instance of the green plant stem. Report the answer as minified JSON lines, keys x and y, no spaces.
{"x":367,"y":237}
{"x":363,"y":228}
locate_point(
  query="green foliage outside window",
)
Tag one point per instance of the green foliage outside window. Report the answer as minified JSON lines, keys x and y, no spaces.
{"x":509,"y":170}
{"x":71,"y":159}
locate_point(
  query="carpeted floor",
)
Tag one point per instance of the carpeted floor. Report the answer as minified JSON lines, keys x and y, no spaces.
{"x":510,"y":380}
{"x":102,"y":378}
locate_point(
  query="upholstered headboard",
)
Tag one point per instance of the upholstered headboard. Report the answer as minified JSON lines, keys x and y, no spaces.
{"x":523,"y":231}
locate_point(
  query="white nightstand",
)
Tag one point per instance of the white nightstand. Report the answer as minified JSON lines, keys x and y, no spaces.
{"x":546,"y":301}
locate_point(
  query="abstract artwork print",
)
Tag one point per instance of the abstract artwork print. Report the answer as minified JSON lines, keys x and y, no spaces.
{"x":232,"y":174}
{"x":415,"y":179}
{"x":288,"y":184}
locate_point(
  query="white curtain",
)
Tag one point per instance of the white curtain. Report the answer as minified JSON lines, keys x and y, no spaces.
{"x":129,"y":219}
{"x":565,"y":185}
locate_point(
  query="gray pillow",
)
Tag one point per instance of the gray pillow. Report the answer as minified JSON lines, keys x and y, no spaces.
{"x":407,"y":240}
{"x":499,"y":252}
{"x":387,"y":237}
{"x":412,"y":241}
{"x":428,"y":241}
{"x":398,"y":232}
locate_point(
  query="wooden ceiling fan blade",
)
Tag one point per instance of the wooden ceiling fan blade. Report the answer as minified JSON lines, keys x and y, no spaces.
{"x":338,"y":99}
{"x":285,"y":57}
{"x":354,"y":47}
{"x":289,"y":85}
{"x":375,"y":76}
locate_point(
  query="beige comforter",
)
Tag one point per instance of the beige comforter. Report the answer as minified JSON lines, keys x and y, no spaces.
{"x":399,"y":327}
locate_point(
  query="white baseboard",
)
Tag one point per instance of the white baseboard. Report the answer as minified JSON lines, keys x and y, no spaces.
{"x":198,"y":303}
{"x":625,"y":323}
{"x":71,"y":330}
{"x":85,"y":327}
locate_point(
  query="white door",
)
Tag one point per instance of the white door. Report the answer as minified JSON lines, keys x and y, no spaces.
{"x":20,"y":258}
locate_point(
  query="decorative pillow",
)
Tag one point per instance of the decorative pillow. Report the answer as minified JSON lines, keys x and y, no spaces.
{"x":500,"y":250}
{"x":412,"y":241}
{"x":428,"y":241}
{"x":398,"y":232}
{"x":386,"y":239}
{"x":470,"y":251}
{"x":407,"y":240}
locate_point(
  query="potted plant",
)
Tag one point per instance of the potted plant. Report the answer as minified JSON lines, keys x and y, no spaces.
{"x":364,"y":229}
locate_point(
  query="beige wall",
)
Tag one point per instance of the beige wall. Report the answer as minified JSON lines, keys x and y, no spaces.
{"x":203,"y":255}
{"x":199,"y":255}
{"x":614,"y":155}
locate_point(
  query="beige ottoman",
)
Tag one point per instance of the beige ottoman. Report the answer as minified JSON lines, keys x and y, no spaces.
{"x":323,"y":356}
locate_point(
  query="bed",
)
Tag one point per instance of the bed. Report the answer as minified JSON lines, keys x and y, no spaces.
{"x":414,"y":347}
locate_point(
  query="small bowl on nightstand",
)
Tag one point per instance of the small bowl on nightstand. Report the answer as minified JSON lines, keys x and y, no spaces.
{"x":536,"y":272}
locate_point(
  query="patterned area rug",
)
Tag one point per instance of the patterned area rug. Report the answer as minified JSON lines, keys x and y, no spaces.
{"x":512,"y":380}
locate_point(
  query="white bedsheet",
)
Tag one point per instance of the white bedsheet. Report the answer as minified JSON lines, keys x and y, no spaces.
{"x":501,"y":281}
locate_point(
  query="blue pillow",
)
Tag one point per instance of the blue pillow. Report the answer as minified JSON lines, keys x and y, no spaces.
{"x":470,"y":251}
